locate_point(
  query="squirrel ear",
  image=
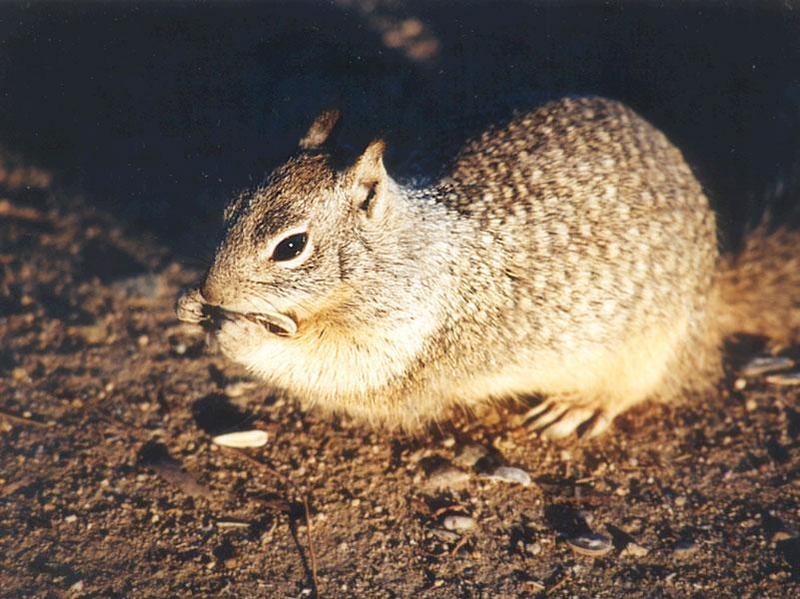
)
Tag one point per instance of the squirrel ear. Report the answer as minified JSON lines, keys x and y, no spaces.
{"x":368,"y":177}
{"x":320,"y":130}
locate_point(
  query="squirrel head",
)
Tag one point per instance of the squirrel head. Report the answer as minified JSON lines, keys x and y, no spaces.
{"x":298,"y":245}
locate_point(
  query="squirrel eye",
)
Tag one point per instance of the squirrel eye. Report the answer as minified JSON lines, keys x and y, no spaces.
{"x":289,"y":248}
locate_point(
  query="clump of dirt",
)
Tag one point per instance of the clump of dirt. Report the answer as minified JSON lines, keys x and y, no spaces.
{"x":110,"y":484}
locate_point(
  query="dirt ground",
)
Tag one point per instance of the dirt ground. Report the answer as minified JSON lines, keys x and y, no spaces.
{"x":110,"y":485}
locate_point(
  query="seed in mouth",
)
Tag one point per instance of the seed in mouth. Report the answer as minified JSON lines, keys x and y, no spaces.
{"x":276,"y":323}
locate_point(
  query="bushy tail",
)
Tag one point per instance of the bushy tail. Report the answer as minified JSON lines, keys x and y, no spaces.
{"x":760,"y":286}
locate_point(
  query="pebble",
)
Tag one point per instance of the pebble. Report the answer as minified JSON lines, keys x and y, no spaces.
{"x":765,"y":364}
{"x":253,"y":438}
{"x":447,"y":477}
{"x":533,"y":548}
{"x":785,"y":378}
{"x":239,"y":388}
{"x":458,"y":523}
{"x":683,"y":549}
{"x":92,"y":334}
{"x":534,"y":586}
{"x":469,"y":455}
{"x":509,"y":474}
{"x":781,"y":535}
{"x":592,"y":545}
{"x":634,"y":550}
{"x":448,"y":536}
{"x":232,"y":524}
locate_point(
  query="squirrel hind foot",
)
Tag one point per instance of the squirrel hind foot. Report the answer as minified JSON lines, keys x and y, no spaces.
{"x":554,"y":419}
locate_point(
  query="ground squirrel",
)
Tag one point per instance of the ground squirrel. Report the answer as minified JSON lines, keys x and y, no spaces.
{"x":569,"y":253}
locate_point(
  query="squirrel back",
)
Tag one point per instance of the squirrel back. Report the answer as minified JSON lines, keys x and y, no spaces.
{"x":570,"y":252}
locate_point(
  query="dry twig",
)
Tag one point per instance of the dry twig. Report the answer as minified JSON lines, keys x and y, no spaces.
{"x":312,"y":556}
{"x":21,"y":420}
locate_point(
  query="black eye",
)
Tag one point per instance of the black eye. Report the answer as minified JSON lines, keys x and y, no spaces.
{"x":290,"y":247}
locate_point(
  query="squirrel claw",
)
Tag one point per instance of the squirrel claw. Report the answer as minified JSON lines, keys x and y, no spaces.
{"x":570,"y":421}
{"x":552,"y":420}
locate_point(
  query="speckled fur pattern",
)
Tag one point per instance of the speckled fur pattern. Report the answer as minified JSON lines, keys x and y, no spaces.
{"x":569,"y":253}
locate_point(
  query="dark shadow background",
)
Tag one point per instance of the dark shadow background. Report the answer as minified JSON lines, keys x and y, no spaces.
{"x":159,"y":112}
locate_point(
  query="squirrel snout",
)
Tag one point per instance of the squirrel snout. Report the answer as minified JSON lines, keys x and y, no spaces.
{"x":212,"y":290}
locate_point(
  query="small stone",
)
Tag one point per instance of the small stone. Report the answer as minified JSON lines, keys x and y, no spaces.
{"x":469,"y":455}
{"x":680,"y":501}
{"x":766,"y":364}
{"x":739,"y":384}
{"x":71,"y":518}
{"x":785,"y":379}
{"x":751,"y":405}
{"x":143,"y":340}
{"x":781,"y":535}
{"x":448,"y":536}
{"x":253,"y":438}
{"x":683,"y":549}
{"x":509,"y":474}
{"x":534,"y":586}
{"x":239,"y":388}
{"x":447,"y":477}
{"x":76,"y":587}
{"x":180,"y":348}
{"x":458,"y":523}
{"x":232,"y":524}
{"x":533,"y":548}
{"x":93,"y":334}
{"x":634,"y":550}
{"x":592,"y":545}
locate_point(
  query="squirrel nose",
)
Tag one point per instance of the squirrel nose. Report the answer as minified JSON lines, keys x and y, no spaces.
{"x":212,"y":289}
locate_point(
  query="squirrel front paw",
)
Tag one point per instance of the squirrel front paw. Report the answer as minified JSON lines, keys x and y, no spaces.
{"x":189,"y":306}
{"x":235,"y":337}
